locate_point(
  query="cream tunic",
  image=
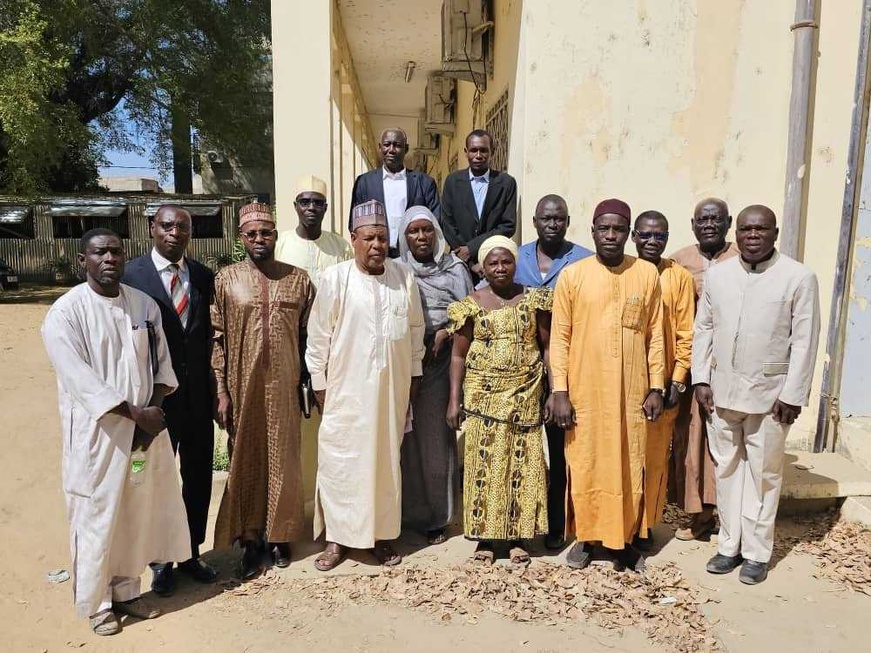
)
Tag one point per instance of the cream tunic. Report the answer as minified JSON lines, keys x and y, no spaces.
{"x":99,"y":349}
{"x":365,"y":343}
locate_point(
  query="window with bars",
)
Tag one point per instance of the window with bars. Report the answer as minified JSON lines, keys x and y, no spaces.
{"x":498,"y":124}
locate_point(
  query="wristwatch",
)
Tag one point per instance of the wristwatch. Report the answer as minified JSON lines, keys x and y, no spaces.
{"x":681,"y":387}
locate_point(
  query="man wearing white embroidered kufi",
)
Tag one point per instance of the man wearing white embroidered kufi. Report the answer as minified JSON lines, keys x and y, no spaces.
{"x":365,"y":353}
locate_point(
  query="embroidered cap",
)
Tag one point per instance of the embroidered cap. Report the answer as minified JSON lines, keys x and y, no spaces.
{"x":255,"y":212}
{"x":368,"y":214}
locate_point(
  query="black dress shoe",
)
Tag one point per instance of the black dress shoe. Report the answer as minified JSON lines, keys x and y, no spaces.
{"x":629,"y":558}
{"x":580,"y":555}
{"x":643,"y":543}
{"x":249,"y":567}
{"x":200,"y":571}
{"x":281,"y":554}
{"x":163,"y":581}
{"x":753,"y":573}
{"x":721,"y":564}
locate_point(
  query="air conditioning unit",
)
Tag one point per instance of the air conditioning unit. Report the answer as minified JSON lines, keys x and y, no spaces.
{"x":463,"y":26}
{"x":441,"y":93}
{"x":427,"y":141}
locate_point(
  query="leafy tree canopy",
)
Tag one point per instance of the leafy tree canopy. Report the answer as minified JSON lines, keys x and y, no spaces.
{"x":67,"y":65}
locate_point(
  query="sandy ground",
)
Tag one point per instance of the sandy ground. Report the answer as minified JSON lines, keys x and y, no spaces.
{"x":793,"y":610}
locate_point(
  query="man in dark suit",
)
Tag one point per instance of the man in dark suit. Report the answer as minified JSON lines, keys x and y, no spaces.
{"x":183,"y":289}
{"x":392,"y":184}
{"x":477,"y":202}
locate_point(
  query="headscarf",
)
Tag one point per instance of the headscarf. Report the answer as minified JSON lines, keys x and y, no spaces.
{"x":441,"y":260}
{"x":496,"y":242}
{"x":442,"y":281}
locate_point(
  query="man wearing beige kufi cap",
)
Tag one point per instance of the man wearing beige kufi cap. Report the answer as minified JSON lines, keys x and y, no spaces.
{"x":259,"y":317}
{"x":308,"y":246}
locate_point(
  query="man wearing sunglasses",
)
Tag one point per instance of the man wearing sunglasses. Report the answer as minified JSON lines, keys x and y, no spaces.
{"x":650,"y":236}
{"x":308,"y":245}
{"x":394,"y":185}
{"x":259,"y":318}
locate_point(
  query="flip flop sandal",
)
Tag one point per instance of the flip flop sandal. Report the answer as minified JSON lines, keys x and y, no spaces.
{"x":485,"y":556}
{"x":386,"y":554}
{"x":579,"y":557}
{"x":328,"y":560}
{"x":436,"y":537}
{"x":105,"y":623}
{"x":519,"y":556}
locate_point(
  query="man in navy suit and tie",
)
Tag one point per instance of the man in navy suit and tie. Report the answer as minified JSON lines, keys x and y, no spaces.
{"x":478,"y":202}
{"x":183,"y":289}
{"x":395,"y":186}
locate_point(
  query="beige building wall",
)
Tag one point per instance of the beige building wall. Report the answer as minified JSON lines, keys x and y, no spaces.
{"x":665,"y":103}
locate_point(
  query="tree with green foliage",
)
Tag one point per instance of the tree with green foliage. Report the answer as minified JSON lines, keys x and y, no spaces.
{"x":67,"y":65}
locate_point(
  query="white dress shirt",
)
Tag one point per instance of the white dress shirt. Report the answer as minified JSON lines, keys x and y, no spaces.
{"x":395,"y":200}
{"x":165,"y":273}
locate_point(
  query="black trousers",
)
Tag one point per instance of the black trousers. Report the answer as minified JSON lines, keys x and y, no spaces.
{"x":556,"y":486}
{"x":193,"y":438}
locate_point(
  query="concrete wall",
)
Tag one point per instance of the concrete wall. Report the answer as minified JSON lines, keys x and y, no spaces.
{"x":664,"y":103}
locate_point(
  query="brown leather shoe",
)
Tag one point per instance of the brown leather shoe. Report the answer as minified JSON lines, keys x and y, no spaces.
{"x":703,"y":524}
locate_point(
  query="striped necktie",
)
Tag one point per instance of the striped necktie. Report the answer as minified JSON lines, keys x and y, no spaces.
{"x":178,"y":294}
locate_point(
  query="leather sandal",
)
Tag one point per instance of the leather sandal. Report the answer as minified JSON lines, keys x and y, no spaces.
{"x":484,"y":554}
{"x":386,"y":554}
{"x":519,"y":556}
{"x":105,"y":623}
{"x":330,"y":557}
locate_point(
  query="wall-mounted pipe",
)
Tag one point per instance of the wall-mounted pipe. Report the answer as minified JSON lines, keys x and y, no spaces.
{"x":833,"y":365}
{"x":804,"y":55}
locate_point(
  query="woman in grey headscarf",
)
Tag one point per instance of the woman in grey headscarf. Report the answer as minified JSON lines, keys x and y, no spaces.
{"x":430,"y":469}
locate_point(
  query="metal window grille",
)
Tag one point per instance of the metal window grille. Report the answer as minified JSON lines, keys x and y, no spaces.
{"x":499,"y":124}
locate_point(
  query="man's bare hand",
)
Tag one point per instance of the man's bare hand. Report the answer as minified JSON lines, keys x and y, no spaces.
{"x":141,"y":439}
{"x":454,"y":415}
{"x":673,"y":396}
{"x":705,"y":397}
{"x":652,"y":405}
{"x":785,"y":413}
{"x":562,"y":413}
{"x":225,"y":411}
{"x":463,"y":253}
{"x":150,"y":419}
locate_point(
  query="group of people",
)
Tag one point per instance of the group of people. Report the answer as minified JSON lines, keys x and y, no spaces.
{"x":587,"y":385}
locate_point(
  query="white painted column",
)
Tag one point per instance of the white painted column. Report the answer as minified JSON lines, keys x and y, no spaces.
{"x":302,"y":77}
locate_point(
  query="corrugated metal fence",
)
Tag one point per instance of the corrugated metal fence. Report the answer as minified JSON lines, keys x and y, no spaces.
{"x":52,"y":226}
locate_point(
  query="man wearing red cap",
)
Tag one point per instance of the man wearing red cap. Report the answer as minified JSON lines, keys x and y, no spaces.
{"x":607,"y":369}
{"x":259,"y":316}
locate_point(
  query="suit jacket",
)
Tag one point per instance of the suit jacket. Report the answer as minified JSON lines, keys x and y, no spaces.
{"x":189,"y":347}
{"x":756,"y":333}
{"x":460,"y":217}
{"x":420,"y":190}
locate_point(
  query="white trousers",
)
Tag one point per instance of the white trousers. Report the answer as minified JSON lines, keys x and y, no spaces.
{"x":119,"y":590}
{"x":748,"y":451}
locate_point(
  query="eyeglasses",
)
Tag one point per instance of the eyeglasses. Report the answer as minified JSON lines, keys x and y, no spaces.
{"x":310,"y":201}
{"x":180,"y":227}
{"x":649,"y":235}
{"x":265,"y":234}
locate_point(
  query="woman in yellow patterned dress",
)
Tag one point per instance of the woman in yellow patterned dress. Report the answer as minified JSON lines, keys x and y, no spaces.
{"x":497,"y":377}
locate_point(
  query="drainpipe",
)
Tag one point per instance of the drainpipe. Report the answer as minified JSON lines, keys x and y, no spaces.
{"x":798,"y":152}
{"x":828,"y":414}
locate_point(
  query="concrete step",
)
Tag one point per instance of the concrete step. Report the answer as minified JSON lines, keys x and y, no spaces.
{"x":823,"y":476}
{"x":857,"y":509}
